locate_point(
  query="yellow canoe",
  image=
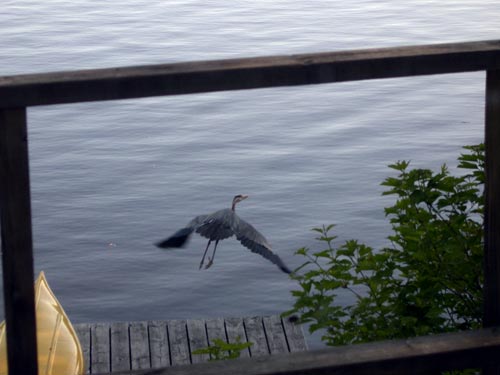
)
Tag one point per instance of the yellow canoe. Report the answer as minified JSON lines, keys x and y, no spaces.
{"x":59,"y":351}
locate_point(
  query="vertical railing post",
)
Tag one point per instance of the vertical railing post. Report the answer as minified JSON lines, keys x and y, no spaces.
{"x":17,"y":244}
{"x":492,"y":202}
{"x":491,"y":313}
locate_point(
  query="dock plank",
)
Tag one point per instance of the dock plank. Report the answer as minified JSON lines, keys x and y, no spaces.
{"x":294,"y":336}
{"x":158,"y":344}
{"x":179,"y":345}
{"x":120,"y":354}
{"x":235,"y":331}
{"x":275,"y":336}
{"x":255,"y":334}
{"x":139,"y":346}
{"x":100,"y":348}
{"x":215,"y":330}
{"x":197,"y":334}
{"x":83,"y":333}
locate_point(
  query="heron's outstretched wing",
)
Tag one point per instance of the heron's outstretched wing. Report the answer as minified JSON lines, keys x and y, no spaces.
{"x":257,"y":243}
{"x":179,"y":238}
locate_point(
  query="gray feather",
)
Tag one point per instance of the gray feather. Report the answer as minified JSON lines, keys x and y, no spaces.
{"x":252,"y":239}
{"x":180,"y":238}
{"x":217,"y":226}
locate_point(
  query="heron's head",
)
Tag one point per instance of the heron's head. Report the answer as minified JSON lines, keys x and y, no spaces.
{"x":238,"y":198}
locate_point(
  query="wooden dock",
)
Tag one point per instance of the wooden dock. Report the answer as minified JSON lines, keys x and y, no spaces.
{"x":122,"y":346}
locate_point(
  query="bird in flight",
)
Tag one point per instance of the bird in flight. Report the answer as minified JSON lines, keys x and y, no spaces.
{"x":220,"y":225}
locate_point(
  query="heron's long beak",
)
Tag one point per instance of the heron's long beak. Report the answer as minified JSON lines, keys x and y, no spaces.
{"x":243,"y":197}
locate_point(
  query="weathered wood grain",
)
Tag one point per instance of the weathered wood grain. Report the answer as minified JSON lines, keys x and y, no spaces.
{"x":158,"y":344}
{"x":255,"y":334}
{"x":197,"y":339}
{"x":139,"y":345}
{"x":126,"y":346}
{"x":83,"y":333}
{"x":235,"y":331}
{"x":422,"y":355}
{"x":178,"y":340}
{"x":17,"y":242}
{"x":120,"y":347}
{"x":215,"y":330}
{"x":246,"y":73}
{"x":100,"y":348}
{"x":275,"y":335}
{"x":294,"y":336}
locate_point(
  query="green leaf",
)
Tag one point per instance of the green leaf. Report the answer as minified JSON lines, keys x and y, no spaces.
{"x":428,"y":279}
{"x":221,"y":350}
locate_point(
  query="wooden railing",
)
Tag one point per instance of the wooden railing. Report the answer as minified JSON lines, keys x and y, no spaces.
{"x":17,"y":93}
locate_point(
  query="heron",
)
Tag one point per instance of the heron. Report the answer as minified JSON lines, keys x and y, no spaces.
{"x":220,"y":225}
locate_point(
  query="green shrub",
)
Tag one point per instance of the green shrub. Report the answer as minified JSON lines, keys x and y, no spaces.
{"x":428,"y":281}
{"x":221,"y":350}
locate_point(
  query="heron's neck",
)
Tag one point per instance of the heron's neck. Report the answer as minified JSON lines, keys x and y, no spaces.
{"x":233,"y":207}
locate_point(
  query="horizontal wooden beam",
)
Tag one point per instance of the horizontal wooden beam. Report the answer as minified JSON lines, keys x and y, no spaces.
{"x":422,"y":355}
{"x":246,"y":73}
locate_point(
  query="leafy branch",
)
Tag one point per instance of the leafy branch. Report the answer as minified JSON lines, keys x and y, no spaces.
{"x":429,"y":281}
{"x":221,"y":350}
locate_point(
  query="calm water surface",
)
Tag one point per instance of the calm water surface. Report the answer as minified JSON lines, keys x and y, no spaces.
{"x":109,"y":179}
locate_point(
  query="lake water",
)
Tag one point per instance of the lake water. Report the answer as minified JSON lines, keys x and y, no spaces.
{"x":110,"y":178}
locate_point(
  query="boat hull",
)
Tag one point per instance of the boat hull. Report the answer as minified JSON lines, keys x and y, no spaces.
{"x":59,"y":350}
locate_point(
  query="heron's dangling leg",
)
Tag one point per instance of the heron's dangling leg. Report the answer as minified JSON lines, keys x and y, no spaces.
{"x":205,"y":253}
{"x":211,"y":261}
